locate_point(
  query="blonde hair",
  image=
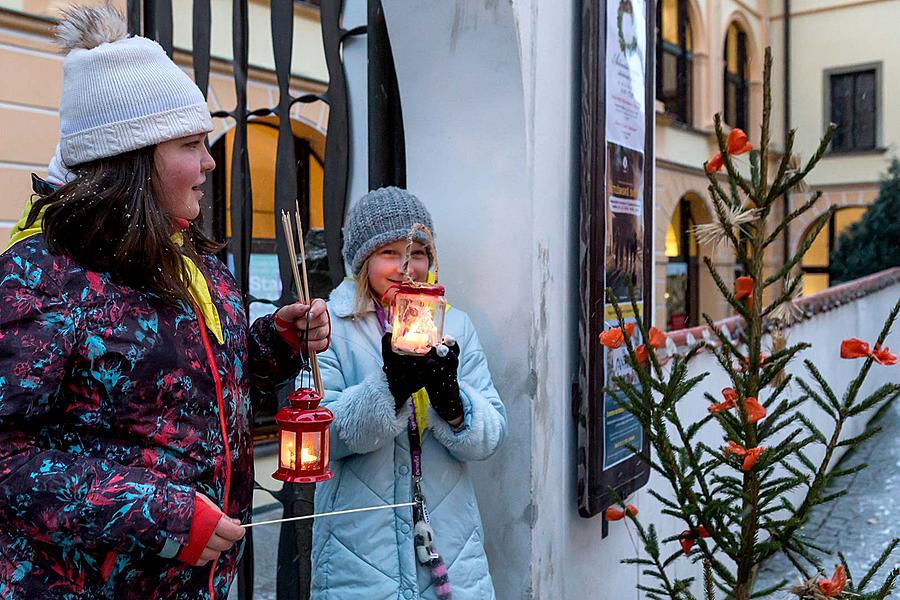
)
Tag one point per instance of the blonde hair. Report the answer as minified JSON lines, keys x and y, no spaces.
{"x":364,"y":297}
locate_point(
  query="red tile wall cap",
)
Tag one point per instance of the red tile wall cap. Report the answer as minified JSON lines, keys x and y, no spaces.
{"x":820,"y":302}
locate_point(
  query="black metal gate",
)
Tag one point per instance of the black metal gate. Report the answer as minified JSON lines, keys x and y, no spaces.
{"x":386,"y":162}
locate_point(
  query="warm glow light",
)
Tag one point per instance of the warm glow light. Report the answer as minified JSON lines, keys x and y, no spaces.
{"x":415,"y":328}
{"x":289,"y":449}
{"x":307,"y":457}
{"x":671,"y":242}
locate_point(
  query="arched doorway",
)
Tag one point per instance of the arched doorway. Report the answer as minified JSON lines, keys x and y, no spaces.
{"x":265,"y":280}
{"x":682,"y":270}
{"x":816,"y":263}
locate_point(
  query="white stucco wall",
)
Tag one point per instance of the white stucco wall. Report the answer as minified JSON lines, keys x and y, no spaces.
{"x":461,"y":92}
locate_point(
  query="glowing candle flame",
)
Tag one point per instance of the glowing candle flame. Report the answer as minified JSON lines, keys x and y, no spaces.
{"x":308,"y":457}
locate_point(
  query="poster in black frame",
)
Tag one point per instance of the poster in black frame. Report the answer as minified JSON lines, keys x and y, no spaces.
{"x":595,"y":484}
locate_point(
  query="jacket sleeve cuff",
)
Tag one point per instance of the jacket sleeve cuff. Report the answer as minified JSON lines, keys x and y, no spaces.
{"x":273,"y":360}
{"x":202,"y":527}
{"x":365,"y":416}
{"x":480,"y":433}
{"x":170,"y":549}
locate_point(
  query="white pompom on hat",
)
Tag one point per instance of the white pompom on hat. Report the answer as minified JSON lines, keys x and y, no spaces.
{"x":120,"y":93}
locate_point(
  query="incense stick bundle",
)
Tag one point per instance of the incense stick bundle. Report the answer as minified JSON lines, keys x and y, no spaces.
{"x":301,"y":283}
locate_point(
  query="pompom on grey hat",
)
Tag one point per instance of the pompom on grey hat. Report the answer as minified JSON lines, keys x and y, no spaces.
{"x":120,"y":93}
{"x":380,"y":217}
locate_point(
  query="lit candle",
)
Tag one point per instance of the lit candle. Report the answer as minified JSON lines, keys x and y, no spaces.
{"x":308,"y":457}
{"x":413,"y":341}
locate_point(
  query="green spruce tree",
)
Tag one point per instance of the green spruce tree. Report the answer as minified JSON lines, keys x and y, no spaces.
{"x":732,"y":498}
{"x":872,"y":244}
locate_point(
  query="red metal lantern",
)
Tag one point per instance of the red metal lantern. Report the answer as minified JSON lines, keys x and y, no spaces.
{"x":303,"y":439}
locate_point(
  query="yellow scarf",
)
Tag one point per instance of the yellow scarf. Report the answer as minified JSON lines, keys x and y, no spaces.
{"x":196,"y":281}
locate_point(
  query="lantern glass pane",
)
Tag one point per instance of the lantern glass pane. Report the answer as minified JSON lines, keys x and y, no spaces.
{"x":311,"y":451}
{"x":418,"y":322}
{"x":288,"y":445}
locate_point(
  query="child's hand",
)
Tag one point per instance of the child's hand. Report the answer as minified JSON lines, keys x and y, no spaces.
{"x":294,"y":321}
{"x":404,"y":373}
{"x":441,"y":365}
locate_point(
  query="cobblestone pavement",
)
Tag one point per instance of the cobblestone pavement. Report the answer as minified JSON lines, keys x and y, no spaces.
{"x":862,"y":523}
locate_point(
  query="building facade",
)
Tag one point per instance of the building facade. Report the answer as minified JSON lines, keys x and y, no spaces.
{"x":710,"y":60}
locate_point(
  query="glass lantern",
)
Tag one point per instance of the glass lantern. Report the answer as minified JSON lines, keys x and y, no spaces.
{"x":303,"y":439}
{"x":418,"y":322}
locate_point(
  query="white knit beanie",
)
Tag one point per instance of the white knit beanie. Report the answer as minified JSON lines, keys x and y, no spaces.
{"x":120,"y":93}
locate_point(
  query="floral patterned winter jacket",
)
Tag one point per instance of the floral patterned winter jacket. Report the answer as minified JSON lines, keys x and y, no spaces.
{"x":115,"y":408}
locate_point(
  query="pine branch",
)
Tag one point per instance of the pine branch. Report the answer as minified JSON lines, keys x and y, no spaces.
{"x":764,"y":133}
{"x":785,"y":159}
{"x":793,"y":215}
{"x":801,"y":251}
{"x":878,"y":564}
{"x":801,"y":175}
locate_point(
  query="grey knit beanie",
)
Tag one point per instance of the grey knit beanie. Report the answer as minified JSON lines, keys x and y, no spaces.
{"x":380,"y":217}
{"x":120,"y":93}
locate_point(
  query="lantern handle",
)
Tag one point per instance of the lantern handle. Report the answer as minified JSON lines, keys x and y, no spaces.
{"x":409,"y":243}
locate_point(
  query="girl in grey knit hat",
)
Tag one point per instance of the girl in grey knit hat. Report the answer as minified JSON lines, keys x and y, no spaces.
{"x":459,"y":417}
{"x":127,"y":363}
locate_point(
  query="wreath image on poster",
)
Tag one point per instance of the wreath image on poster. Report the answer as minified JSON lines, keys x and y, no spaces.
{"x":627,"y":45}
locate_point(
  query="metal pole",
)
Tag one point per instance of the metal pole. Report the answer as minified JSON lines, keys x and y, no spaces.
{"x":387,"y":151}
{"x":786,"y":203}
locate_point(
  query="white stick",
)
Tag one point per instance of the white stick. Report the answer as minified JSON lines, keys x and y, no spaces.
{"x":330,"y":514}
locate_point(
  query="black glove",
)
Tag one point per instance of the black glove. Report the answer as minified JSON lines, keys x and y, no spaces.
{"x":405,"y":374}
{"x":441,"y":382}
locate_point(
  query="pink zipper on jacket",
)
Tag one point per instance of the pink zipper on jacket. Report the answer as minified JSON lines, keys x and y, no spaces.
{"x":222,"y":425}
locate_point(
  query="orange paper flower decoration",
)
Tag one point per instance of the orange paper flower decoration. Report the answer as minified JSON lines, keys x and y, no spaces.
{"x":883,"y":356}
{"x":689,"y":536}
{"x":751,"y":455}
{"x":854,"y":348}
{"x":834,"y":586}
{"x":743,"y":288}
{"x":755,"y":410}
{"x":657,"y":337}
{"x":737,"y":142}
{"x":641,"y":354}
{"x":617,"y":514}
{"x":730,"y":398}
{"x":714,"y":164}
{"x":612,"y":338}
{"x":857,"y":348}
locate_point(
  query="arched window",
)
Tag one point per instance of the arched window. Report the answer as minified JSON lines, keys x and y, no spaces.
{"x":737,"y":88}
{"x":816,"y":263}
{"x":682,"y":272}
{"x":674,"y":58}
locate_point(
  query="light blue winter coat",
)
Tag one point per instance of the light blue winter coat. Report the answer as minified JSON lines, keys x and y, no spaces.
{"x":370,"y":556}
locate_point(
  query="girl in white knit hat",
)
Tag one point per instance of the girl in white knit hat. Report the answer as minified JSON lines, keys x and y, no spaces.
{"x":127,"y":365}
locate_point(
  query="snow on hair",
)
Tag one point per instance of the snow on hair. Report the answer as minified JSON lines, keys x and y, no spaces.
{"x":89,"y":26}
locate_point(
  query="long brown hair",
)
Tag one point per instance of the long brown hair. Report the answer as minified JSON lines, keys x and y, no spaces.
{"x":108,"y":220}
